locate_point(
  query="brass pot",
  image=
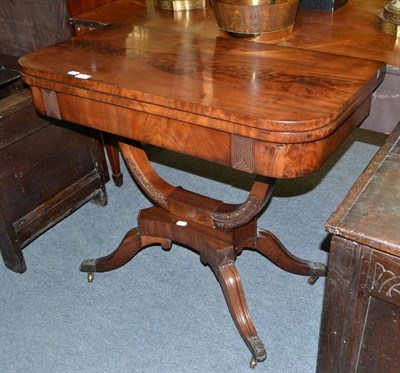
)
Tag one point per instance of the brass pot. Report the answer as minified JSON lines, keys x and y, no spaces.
{"x":253,"y":17}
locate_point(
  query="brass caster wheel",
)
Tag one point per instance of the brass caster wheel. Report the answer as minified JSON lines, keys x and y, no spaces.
{"x":316,"y":271}
{"x":90,"y":277}
{"x":312,"y":280}
{"x":253,"y":362}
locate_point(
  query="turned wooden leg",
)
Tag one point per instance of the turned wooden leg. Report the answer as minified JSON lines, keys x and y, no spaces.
{"x":269,"y":246}
{"x":232,"y":288}
{"x":130,"y":245}
{"x":111,"y":146}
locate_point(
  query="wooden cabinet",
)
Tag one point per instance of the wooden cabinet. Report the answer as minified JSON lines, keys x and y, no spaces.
{"x":361,"y":314}
{"x":47,"y":171}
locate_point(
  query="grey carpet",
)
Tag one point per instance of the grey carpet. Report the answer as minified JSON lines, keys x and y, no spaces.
{"x":164,"y":311}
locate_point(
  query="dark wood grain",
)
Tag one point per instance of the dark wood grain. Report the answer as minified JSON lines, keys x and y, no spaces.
{"x":342,"y":321}
{"x":28,"y":25}
{"x":47,"y":172}
{"x":370,"y":213}
{"x":360,"y":333}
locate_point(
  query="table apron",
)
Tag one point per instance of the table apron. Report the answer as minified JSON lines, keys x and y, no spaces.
{"x":271,"y":159}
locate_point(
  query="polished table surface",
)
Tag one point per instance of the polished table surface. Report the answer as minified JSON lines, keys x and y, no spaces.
{"x":273,"y":111}
{"x":349,"y":31}
{"x":196,"y":94}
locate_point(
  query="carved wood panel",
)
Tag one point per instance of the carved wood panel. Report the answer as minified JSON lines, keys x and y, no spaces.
{"x":242,"y":153}
{"x":385,"y":274}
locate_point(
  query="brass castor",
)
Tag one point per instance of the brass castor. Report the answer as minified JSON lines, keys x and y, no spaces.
{"x":253,"y":362}
{"x":312,"y":280}
{"x":316,"y":271}
{"x":90,"y":277}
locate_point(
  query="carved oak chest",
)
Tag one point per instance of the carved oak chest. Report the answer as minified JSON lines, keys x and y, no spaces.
{"x":46,"y":172}
{"x":361,"y":320}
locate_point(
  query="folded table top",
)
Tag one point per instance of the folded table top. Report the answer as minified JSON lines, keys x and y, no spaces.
{"x":269,"y":92}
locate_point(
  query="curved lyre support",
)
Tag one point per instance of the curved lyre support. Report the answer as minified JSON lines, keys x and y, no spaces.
{"x":229,"y":217}
{"x":221,"y":215}
{"x":156,"y":188}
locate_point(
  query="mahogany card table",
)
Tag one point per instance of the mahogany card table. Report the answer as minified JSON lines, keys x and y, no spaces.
{"x":273,"y":111}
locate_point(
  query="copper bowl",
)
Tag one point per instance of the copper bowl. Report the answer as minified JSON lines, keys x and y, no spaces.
{"x":275,"y":18}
